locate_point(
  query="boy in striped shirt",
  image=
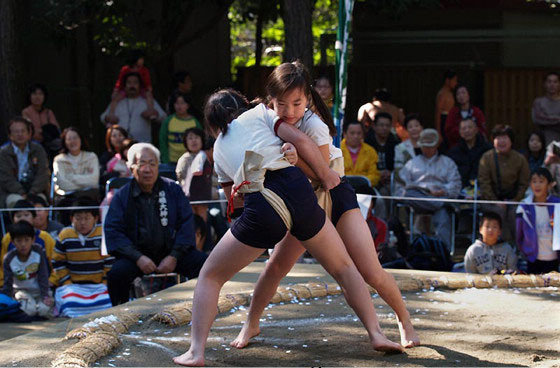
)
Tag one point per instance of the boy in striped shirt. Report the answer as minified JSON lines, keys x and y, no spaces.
{"x":77,"y":254}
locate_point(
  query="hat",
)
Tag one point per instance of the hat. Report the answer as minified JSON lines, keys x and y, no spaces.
{"x":428,"y":138}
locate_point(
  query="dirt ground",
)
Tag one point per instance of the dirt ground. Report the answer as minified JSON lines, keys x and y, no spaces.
{"x":469,"y":327}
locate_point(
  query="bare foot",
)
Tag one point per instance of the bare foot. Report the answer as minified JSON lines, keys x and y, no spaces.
{"x":381,"y":343}
{"x":244,"y":336}
{"x":409,"y":338}
{"x":190,"y":359}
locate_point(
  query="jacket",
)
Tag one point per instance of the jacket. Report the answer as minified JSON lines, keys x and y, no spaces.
{"x":366,"y":163}
{"x":514,"y":173}
{"x":121,"y":223}
{"x":38,"y":163}
{"x":388,"y":149}
{"x":70,"y":178}
{"x":483,"y":259}
{"x":467,"y":159}
{"x":526,"y":234}
{"x":437,"y":172}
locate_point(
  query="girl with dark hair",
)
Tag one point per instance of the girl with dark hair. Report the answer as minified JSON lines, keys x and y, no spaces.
{"x":324,"y":88}
{"x":290,"y":95}
{"x":462,"y":110}
{"x":36,"y":112}
{"x":278,"y":198}
{"x":535,"y":150}
{"x":114,"y":138}
{"x":173,"y":128}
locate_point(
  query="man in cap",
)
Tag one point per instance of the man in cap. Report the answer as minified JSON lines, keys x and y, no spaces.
{"x":431,"y":175}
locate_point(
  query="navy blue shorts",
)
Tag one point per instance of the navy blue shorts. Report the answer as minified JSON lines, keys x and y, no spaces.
{"x":343,"y":199}
{"x":260,"y":226}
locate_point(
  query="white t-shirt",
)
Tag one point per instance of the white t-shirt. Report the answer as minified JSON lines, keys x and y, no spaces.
{"x":251,"y":131}
{"x":312,"y":125}
{"x":544,"y":234}
{"x":25,"y":273}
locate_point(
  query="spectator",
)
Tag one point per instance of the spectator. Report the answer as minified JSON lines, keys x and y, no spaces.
{"x":468,"y":151}
{"x":546,"y":109}
{"x":183,"y":84}
{"x":46,"y":127}
{"x":445,"y":100}
{"x":42,"y":238}
{"x":552,"y":163}
{"x":77,"y":254}
{"x":384,"y":143}
{"x":173,"y":128}
{"x":359,"y":158}
{"x":506,"y":181}
{"x":41,"y":220}
{"x":324,"y":88}
{"x":366,"y":115}
{"x":534,"y":225}
{"x":408,"y":149}
{"x":26,"y":273}
{"x":114,"y":138}
{"x":431,"y":175}
{"x":24,"y":168}
{"x":535,"y":150}
{"x":135,"y":64}
{"x":116,"y":166}
{"x":132,"y":113}
{"x":488,"y":256}
{"x":149,"y":227}
{"x":462,"y":110}
{"x":76,"y":171}
{"x":382,"y":102}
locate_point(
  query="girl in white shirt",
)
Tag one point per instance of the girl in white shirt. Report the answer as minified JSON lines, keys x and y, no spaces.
{"x":290,"y":95}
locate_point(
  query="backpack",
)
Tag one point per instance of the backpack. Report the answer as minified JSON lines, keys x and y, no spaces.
{"x":429,"y":253}
{"x":8,"y":305}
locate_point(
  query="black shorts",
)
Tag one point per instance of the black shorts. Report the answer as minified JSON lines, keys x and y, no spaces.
{"x":260,"y":226}
{"x":343,"y":199}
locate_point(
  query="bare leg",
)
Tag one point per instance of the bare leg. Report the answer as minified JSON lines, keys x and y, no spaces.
{"x":228,"y":257}
{"x":356,"y":236}
{"x":285,"y":255}
{"x":329,"y":250}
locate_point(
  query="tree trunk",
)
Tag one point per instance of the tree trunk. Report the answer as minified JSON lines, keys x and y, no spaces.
{"x":297,"y":26}
{"x":11,"y":88}
{"x":258,"y":35}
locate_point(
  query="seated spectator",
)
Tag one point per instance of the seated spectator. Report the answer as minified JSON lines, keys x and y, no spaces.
{"x":41,"y":220}
{"x":194,"y":171}
{"x":132,"y":113}
{"x":431,"y":175}
{"x":24,"y":168}
{"x":324,"y":88}
{"x":173,"y":128}
{"x":26,"y":273}
{"x":546,"y":109}
{"x":445,"y":100}
{"x":506,"y":181}
{"x":552,"y":163}
{"x":134,"y":64}
{"x":46,"y":127}
{"x":116,"y":166}
{"x":408,"y":149}
{"x":149,"y":227}
{"x":114,"y":138}
{"x":535,"y":151}
{"x":489,"y":255}
{"x":41,"y":238}
{"x":534,"y":225}
{"x":467,"y":153}
{"x":359,"y":158}
{"x":77,"y":254}
{"x":462,"y":110}
{"x":382,"y":102}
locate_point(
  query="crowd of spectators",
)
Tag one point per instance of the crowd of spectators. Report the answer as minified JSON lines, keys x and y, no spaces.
{"x":151,"y":227}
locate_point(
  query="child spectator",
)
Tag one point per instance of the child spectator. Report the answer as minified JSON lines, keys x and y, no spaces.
{"x":77,"y":254}
{"x":173,"y":127}
{"x":42,"y":238}
{"x":117,"y":164}
{"x":114,"y":138}
{"x":487,"y":256}
{"x":26,"y":272}
{"x":41,"y":220}
{"x":135,"y":64}
{"x":536,"y":150}
{"x":535,"y":225}
{"x":194,"y":171}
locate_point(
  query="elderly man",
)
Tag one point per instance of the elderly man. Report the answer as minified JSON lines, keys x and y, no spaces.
{"x":24,"y":168}
{"x":431,"y":175}
{"x":132,"y":112}
{"x":149,"y":227}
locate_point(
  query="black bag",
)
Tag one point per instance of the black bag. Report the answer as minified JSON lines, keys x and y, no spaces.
{"x":397,"y":228}
{"x":428,"y":253}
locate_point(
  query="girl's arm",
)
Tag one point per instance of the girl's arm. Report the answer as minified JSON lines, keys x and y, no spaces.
{"x":307,"y":170}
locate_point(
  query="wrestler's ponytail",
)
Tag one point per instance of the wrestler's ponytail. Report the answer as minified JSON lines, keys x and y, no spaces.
{"x":288,"y":76}
{"x":222,"y":107}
